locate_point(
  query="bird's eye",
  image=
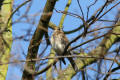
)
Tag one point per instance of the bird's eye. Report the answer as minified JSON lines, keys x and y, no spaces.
{"x":59,"y":29}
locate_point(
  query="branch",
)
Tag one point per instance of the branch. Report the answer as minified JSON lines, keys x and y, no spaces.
{"x":100,"y":51}
{"x":36,"y":39}
{"x":113,"y":70}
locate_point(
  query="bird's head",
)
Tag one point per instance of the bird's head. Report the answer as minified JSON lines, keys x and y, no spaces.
{"x":58,"y":29}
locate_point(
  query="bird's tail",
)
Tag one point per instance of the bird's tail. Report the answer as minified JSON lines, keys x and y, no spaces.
{"x":73,"y":64}
{"x":62,"y":59}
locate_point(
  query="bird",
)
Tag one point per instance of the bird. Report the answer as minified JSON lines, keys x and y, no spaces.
{"x":58,"y":43}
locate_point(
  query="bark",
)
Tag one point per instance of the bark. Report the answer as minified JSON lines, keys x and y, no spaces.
{"x":1,"y":3}
{"x":42,"y":28}
{"x":49,"y":71}
{"x":5,"y":36}
{"x":112,"y":37}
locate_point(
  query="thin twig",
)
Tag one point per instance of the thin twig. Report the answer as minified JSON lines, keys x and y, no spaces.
{"x":89,"y":8}
{"x":80,"y":8}
{"x":87,"y":42}
{"x":57,"y":57}
{"x":17,"y":10}
{"x":108,"y":11}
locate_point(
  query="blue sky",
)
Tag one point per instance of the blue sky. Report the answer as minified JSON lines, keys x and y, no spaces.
{"x":70,"y":23}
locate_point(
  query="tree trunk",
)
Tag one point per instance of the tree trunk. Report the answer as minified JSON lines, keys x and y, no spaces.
{"x":5,"y":36}
{"x":36,"y":40}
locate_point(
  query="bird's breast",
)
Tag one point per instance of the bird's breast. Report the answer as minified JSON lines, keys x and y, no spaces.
{"x":58,"y":47}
